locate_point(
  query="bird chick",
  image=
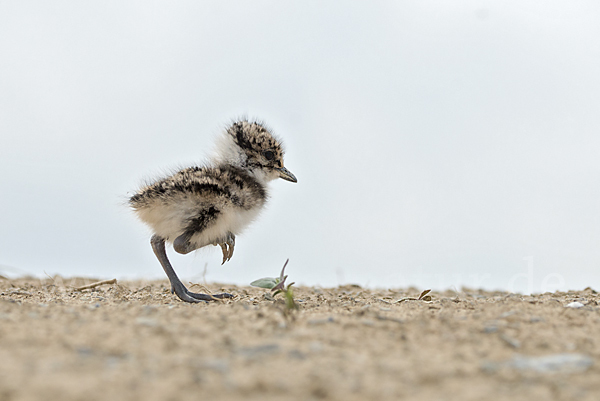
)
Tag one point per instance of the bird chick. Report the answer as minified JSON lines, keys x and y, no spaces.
{"x":211,"y":204}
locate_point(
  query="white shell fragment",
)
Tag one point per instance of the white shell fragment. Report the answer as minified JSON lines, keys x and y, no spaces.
{"x":575,"y":305}
{"x":557,"y":363}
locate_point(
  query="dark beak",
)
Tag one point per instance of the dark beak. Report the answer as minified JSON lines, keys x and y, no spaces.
{"x":286,"y":174}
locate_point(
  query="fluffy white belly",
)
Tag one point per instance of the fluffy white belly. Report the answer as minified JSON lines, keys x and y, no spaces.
{"x":228,"y":221}
{"x":170,"y":221}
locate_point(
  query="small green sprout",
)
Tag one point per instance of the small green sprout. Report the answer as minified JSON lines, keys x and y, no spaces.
{"x":277,"y":285}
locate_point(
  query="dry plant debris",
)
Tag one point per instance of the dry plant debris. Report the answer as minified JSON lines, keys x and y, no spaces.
{"x":97,"y":284}
{"x":423,"y":297}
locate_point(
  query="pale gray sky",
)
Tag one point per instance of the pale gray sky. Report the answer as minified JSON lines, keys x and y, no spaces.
{"x":438,"y":144}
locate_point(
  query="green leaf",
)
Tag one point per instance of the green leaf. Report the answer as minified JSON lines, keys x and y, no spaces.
{"x":266,"y":282}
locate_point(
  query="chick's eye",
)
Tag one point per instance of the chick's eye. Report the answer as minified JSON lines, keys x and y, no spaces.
{"x":269,"y":155}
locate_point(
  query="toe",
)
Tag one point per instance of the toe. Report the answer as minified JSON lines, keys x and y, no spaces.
{"x":231,"y":243}
{"x":223,"y":296}
{"x":225,"y":251}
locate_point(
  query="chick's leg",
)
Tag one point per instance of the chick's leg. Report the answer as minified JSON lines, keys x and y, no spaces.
{"x":177,"y":287}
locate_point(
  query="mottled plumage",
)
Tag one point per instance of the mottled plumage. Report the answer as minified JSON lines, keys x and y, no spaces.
{"x":206,"y":205}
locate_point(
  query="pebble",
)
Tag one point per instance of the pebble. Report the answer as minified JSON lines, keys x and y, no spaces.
{"x":320,"y":321}
{"x":252,"y":352}
{"x":565,"y":363}
{"x":147,"y":321}
{"x":556,"y":363}
{"x":510,"y":341}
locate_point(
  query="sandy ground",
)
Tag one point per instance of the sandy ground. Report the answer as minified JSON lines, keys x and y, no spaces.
{"x":134,"y":340}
